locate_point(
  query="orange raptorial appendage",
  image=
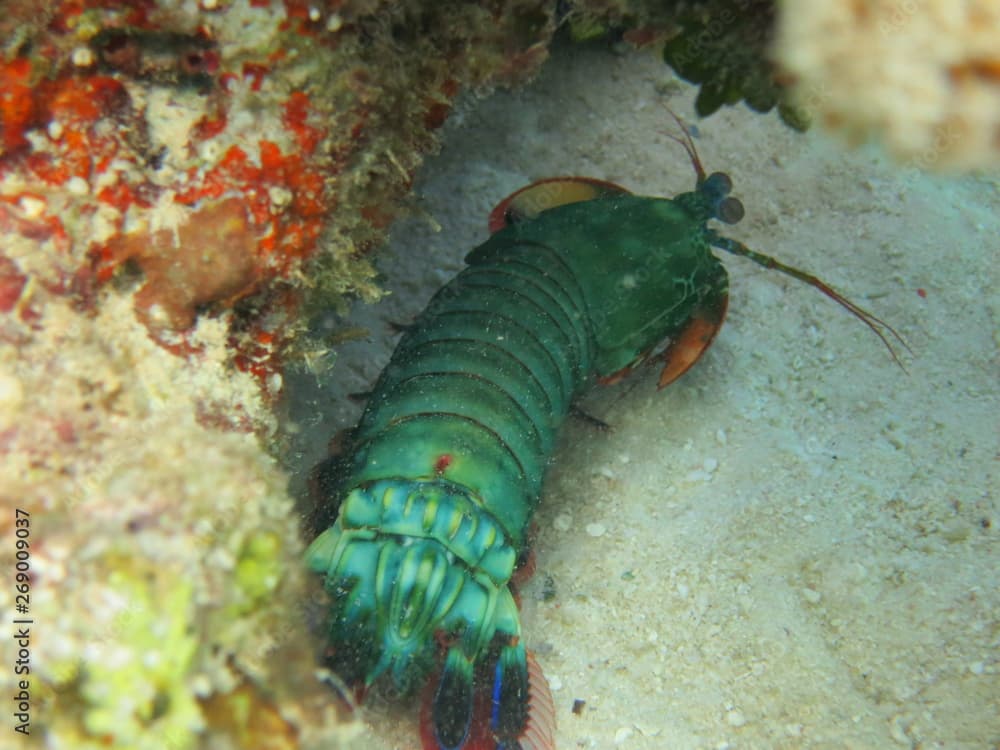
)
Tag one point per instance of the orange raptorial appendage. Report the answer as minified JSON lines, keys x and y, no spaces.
{"x":693,"y":341}
{"x":542,"y":195}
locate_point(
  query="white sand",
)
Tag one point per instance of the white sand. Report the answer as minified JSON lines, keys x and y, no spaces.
{"x":796,"y":545}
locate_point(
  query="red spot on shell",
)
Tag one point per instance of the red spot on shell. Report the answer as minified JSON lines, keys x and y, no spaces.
{"x":442,"y":463}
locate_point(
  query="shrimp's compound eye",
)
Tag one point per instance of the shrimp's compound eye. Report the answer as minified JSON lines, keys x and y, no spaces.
{"x":730,"y":211}
{"x":717,"y":185}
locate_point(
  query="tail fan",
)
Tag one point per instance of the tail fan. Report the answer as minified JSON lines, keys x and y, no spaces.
{"x":446,"y":717}
{"x":511,"y":709}
{"x":540,"y":731}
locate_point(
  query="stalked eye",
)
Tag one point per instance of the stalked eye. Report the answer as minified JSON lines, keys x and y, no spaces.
{"x":717,"y":184}
{"x":729,"y":210}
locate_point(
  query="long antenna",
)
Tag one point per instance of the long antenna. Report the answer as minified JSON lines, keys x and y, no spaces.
{"x":876,"y":324}
{"x":688,"y":143}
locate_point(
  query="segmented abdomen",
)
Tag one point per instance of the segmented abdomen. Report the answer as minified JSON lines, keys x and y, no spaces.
{"x":478,"y":386}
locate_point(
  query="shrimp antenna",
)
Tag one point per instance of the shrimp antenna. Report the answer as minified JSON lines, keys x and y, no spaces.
{"x":876,"y":324}
{"x":688,"y":143}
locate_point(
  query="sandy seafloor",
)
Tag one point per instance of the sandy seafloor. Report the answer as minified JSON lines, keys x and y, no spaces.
{"x":796,"y":545}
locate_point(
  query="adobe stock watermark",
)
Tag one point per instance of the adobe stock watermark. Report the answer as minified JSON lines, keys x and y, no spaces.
{"x":22,"y":622}
{"x":897,"y":16}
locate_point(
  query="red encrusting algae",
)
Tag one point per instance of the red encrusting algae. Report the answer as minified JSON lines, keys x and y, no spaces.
{"x":77,"y":139}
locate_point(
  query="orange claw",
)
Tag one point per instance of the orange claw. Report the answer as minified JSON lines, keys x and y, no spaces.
{"x":690,"y":344}
{"x":542,"y":195}
{"x":682,"y":351}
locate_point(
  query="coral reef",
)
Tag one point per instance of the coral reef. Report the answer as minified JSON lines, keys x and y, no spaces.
{"x":164,"y":578}
{"x":721,"y":45}
{"x":921,"y":77}
{"x":129,"y":133}
{"x":724,"y":46}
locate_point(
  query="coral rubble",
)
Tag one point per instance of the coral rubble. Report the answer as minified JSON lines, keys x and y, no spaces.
{"x":163,"y":552}
{"x":921,"y":77}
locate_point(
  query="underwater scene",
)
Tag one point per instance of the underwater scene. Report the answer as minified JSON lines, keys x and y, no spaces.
{"x":681,"y":460}
{"x":792,"y":545}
